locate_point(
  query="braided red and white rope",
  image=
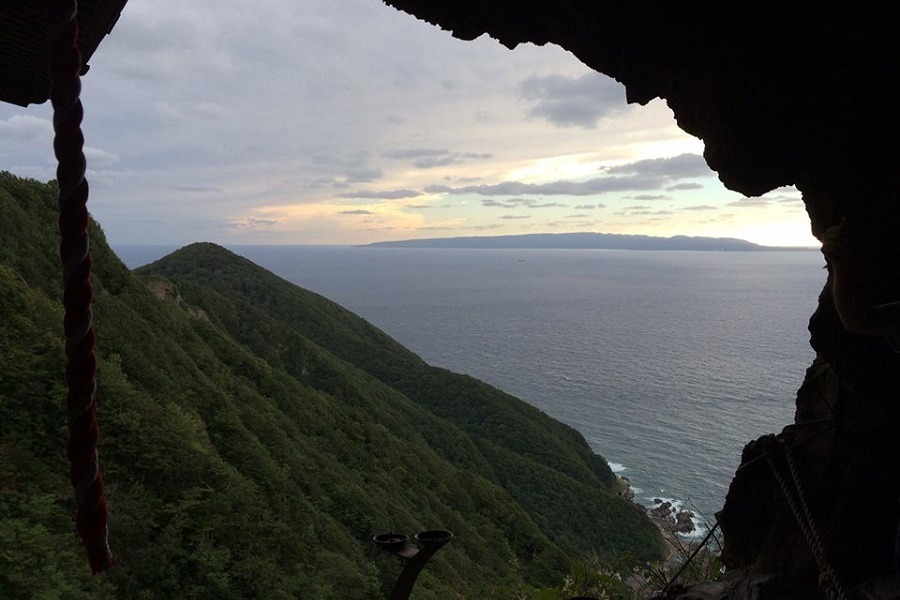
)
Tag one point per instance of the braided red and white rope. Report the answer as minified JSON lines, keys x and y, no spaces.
{"x":81,"y":366}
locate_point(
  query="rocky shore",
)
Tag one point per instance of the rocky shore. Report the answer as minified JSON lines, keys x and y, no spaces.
{"x":680,"y":536}
{"x":675,"y":524}
{"x":680,"y":521}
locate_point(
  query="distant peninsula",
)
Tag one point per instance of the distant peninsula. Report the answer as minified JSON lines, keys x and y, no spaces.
{"x":586,"y":240}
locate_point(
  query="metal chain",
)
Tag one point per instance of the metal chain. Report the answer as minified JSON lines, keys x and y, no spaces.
{"x":828,"y":579}
{"x":81,"y":360}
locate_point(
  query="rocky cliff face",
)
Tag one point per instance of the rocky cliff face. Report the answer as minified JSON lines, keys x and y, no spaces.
{"x":780,"y":93}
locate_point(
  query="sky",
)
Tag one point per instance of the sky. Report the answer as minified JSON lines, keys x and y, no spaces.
{"x":323,"y":122}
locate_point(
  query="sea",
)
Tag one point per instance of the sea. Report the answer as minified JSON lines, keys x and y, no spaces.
{"x":667,"y":362}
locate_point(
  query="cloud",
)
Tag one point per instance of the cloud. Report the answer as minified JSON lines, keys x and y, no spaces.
{"x":639,"y":210}
{"x":646,"y":197}
{"x":650,"y":174}
{"x":195,"y":111}
{"x":418,"y":206}
{"x":497,"y":204}
{"x":573,"y":101}
{"x":786,"y":199}
{"x":96,"y":157}
{"x":521,"y":202}
{"x":588,"y":206}
{"x":196,"y":188}
{"x":25,"y":128}
{"x":700,"y":207}
{"x":355,"y":159}
{"x":345,"y":169}
{"x":682,"y":166}
{"x":484,"y":116}
{"x":654,"y":213}
{"x":578,"y":216}
{"x":515,"y":217}
{"x":750,"y":202}
{"x":414,"y":153}
{"x":362,"y":174}
{"x":556,"y":188}
{"x":357,"y":212}
{"x":449,"y":159}
{"x":684,"y":186}
{"x":253,"y":223}
{"x":187,"y":52}
{"x":429,"y":158}
{"x":383,"y":195}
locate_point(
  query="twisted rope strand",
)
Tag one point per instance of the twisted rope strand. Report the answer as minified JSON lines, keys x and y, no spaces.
{"x":81,"y":368}
{"x":828,"y":579}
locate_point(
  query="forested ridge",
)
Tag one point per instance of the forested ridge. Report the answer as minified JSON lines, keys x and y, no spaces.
{"x":254,"y":436}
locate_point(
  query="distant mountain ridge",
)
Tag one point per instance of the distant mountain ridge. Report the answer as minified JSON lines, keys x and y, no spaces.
{"x":583,"y":240}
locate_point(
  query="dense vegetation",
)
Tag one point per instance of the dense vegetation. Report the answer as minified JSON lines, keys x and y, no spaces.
{"x":255,"y":436}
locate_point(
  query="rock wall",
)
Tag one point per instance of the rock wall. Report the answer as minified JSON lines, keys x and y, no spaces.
{"x":781,"y":93}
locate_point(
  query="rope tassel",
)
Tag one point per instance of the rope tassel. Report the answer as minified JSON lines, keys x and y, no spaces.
{"x":81,"y":367}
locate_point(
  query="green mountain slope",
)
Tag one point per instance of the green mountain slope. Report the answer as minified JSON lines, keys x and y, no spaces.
{"x":254,"y":439}
{"x":521,"y":444}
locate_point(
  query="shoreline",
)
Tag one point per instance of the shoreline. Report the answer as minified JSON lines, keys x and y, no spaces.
{"x":677,"y":548}
{"x":670,"y":520}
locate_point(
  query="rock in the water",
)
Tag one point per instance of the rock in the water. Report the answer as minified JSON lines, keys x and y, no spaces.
{"x":684,"y":522}
{"x":662,"y":510}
